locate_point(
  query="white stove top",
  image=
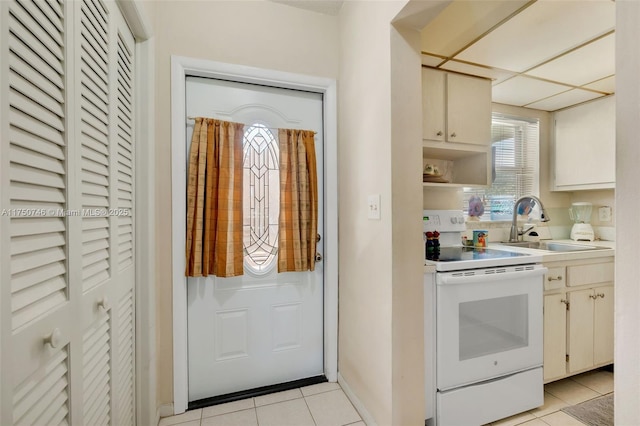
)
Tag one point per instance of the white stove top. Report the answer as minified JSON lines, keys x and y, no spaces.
{"x":457,"y":258}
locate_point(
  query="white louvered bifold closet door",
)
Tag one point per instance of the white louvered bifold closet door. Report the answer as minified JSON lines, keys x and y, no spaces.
{"x":66,"y":229}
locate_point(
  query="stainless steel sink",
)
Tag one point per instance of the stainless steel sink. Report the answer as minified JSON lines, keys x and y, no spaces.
{"x":551,"y":246}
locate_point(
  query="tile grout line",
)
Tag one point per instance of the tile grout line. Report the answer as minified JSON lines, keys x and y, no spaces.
{"x":255,"y":412}
{"x":309,"y":409}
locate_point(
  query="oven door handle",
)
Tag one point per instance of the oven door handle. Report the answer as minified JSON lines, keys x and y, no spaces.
{"x":447,"y":279}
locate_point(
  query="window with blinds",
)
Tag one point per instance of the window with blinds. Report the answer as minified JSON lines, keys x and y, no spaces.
{"x":515,"y":142}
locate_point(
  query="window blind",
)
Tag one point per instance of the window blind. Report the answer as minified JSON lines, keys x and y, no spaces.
{"x":515,"y":147}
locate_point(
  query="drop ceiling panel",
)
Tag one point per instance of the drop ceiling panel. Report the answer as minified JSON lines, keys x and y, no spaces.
{"x":493,"y":74}
{"x":581,"y":66}
{"x":607,"y":85}
{"x":522,"y":90}
{"x":540,"y":32}
{"x":462,"y":22}
{"x":564,"y":100}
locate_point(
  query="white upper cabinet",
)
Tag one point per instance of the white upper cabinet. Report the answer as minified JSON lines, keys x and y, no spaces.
{"x":456,"y":124}
{"x":584,"y":146}
{"x":456,"y":108}
{"x":433,"y":104}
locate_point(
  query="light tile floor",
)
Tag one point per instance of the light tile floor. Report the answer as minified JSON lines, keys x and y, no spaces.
{"x":561,"y":394}
{"x":324,"y":404}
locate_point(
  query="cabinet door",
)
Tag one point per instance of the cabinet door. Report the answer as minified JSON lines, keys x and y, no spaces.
{"x":555,"y":336}
{"x":584,"y":148}
{"x":580,"y":339}
{"x":603,"y":325}
{"x":468,"y":110}
{"x":433,"y":104}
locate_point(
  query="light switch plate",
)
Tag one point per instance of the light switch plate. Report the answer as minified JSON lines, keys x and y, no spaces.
{"x":604,"y":214}
{"x":373,"y":206}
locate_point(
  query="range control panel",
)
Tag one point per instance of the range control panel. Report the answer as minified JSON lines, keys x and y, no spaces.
{"x":443,"y":221}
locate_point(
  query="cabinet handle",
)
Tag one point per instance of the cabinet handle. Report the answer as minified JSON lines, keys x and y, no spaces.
{"x":600,"y":295}
{"x":558,"y":278}
{"x":565,"y":301}
{"x":593,"y":296}
{"x":453,"y":135}
{"x":54,"y":338}
{"x":439,"y":133}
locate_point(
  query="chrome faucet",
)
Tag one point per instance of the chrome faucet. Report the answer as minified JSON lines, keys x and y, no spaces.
{"x":513,"y":235}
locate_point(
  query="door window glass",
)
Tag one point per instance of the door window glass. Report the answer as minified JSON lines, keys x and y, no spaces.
{"x":493,"y":325}
{"x":261,"y":199}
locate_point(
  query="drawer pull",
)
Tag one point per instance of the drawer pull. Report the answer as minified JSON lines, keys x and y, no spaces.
{"x":600,"y":295}
{"x":558,"y":278}
{"x":439,"y":133}
{"x":565,"y":301}
{"x":593,"y":296}
{"x":54,"y":338}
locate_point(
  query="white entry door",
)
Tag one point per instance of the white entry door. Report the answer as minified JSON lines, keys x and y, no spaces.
{"x":264,"y":327}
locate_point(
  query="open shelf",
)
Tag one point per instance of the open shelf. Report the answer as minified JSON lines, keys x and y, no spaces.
{"x":461,"y":165}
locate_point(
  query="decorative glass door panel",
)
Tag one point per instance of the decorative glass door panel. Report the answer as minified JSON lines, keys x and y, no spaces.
{"x":261,"y":198}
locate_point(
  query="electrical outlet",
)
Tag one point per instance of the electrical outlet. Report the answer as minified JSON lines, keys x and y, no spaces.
{"x":373,"y":206}
{"x":604,"y":214}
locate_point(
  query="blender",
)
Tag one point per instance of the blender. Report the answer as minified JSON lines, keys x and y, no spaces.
{"x":580,"y":213}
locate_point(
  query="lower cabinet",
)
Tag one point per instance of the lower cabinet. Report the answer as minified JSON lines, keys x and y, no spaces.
{"x":590,"y":328}
{"x":578,"y":319}
{"x":555,"y":336}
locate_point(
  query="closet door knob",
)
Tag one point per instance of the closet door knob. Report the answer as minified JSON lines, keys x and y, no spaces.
{"x":318,"y":257}
{"x":104,"y":304}
{"x":54,"y":338}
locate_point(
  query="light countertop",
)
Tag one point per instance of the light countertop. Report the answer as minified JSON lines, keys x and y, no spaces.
{"x":555,"y":256}
{"x":558,"y":256}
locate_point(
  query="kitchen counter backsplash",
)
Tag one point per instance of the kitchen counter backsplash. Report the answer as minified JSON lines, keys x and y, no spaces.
{"x":499,"y":230}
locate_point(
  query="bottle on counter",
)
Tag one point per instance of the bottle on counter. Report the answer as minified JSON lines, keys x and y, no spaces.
{"x":432,"y":245}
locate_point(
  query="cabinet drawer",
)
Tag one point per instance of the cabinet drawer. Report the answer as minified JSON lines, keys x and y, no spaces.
{"x":590,"y":274}
{"x":555,"y":278}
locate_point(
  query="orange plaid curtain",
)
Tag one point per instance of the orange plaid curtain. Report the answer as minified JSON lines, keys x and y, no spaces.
{"x":298,"y":224}
{"x":214,"y":200}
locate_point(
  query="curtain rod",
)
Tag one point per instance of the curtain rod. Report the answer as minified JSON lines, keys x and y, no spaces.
{"x":270,"y":128}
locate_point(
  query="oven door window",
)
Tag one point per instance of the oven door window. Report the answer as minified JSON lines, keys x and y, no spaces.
{"x":492,"y":326}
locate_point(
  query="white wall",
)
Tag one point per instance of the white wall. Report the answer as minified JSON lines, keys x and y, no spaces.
{"x":364,"y":134}
{"x":627,"y":305}
{"x":254,"y":33}
{"x":407,"y":245}
{"x":381,"y":354}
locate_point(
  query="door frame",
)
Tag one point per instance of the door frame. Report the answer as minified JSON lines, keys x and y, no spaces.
{"x":181,"y":68}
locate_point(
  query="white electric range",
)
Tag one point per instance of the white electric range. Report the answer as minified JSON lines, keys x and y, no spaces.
{"x":483,"y":328}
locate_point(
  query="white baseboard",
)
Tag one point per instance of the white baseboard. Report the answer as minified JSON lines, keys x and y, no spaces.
{"x":359,"y":406}
{"x":165,"y":410}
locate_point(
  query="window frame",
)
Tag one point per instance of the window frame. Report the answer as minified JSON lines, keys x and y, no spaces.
{"x":529,"y":167}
